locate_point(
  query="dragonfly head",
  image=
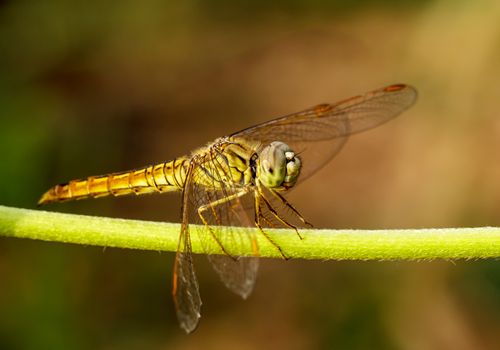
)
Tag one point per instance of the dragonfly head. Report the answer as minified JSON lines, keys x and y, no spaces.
{"x":279,"y":166}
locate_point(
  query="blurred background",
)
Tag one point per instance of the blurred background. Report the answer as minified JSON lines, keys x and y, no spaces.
{"x":93,"y":87}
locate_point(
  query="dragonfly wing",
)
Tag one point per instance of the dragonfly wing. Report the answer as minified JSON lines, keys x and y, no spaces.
{"x":238,"y":276}
{"x":185,"y":285}
{"x":318,"y":133}
{"x":221,"y":209}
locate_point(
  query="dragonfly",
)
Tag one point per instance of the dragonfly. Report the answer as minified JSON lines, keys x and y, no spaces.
{"x":240,"y":181}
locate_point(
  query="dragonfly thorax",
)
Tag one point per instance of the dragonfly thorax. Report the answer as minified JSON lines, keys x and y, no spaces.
{"x":279,"y":166}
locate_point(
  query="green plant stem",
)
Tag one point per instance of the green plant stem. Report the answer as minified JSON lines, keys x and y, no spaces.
{"x":408,"y":244}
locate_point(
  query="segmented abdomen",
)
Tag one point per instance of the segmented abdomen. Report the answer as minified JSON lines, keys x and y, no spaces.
{"x":163,"y":177}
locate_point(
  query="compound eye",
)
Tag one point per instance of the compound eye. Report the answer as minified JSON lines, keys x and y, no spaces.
{"x":267,"y":166}
{"x":278,"y":166}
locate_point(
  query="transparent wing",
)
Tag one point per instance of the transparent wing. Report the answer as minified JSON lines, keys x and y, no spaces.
{"x":217,"y":204}
{"x":185,"y":285}
{"x":319,"y":133}
{"x":215,"y":201}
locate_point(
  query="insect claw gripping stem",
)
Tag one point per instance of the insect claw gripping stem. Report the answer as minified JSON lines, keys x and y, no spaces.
{"x":258,"y":216}
{"x":212,"y":233}
{"x":298,"y":234}
{"x":278,"y":248}
{"x":308,"y":224}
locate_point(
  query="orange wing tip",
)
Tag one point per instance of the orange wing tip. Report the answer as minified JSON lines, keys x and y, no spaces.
{"x":395,"y":87}
{"x":322,"y":108}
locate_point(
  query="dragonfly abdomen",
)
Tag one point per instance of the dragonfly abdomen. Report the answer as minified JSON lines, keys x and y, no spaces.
{"x":163,"y":177}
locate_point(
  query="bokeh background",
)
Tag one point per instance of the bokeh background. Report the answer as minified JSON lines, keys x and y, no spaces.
{"x":94,"y":87}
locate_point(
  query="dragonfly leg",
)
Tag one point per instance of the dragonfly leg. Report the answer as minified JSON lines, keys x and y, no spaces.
{"x":258,"y":216}
{"x":292,"y":208}
{"x":212,"y":206}
{"x":276,"y":215}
